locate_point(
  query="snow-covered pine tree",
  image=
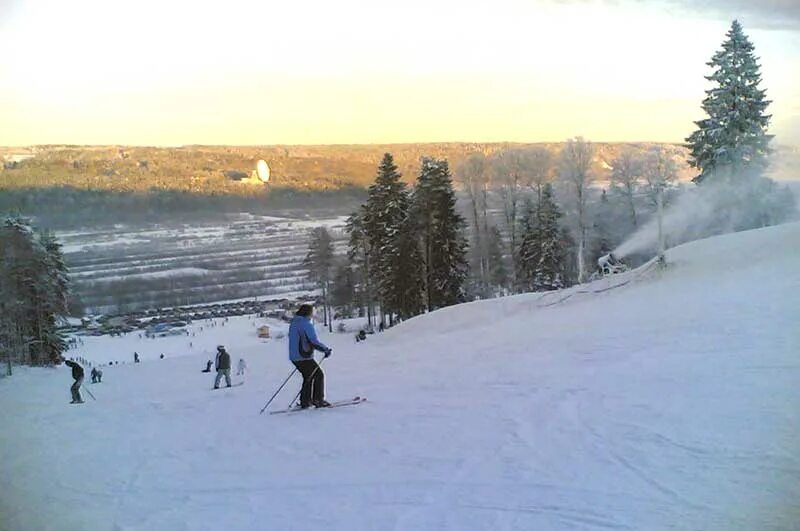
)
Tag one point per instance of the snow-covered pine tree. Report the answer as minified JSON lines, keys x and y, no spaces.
{"x":542,"y":255}
{"x":444,"y":247}
{"x":528,"y":247}
{"x":33,"y":291}
{"x":408,"y":274}
{"x":732,"y":143}
{"x":387,"y":211}
{"x":548,"y":274}
{"x":53,"y":290}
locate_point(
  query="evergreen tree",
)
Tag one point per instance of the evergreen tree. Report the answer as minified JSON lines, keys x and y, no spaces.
{"x":33,"y":294}
{"x":542,"y":257}
{"x":387,"y":211}
{"x":549,"y":270}
{"x":407,"y":284}
{"x":440,"y":227}
{"x":320,"y":263}
{"x":732,"y":142}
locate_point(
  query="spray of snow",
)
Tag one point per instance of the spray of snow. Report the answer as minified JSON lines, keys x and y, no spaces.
{"x":690,"y":209}
{"x":713,"y":209}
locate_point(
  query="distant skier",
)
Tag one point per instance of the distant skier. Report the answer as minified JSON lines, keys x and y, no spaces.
{"x":97,"y":375}
{"x":241,"y":367}
{"x":223,"y":367}
{"x":77,"y":375}
{"x":209,"y":364}
{"x":302,"y":343}
{"x":136,"y":357}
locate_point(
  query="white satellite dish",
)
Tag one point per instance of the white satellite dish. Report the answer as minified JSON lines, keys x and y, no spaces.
{"x":263,"y":171}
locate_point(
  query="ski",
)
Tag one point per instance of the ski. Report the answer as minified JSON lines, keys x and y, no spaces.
{"x":340,"y":403}
{"x":226,"y":387}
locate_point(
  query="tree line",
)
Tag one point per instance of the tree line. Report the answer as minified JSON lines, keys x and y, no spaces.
{"x":33,"y":294}
{"x":408,"y":249}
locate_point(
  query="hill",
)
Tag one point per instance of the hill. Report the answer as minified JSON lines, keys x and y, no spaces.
{"x":203,"y":169}
{"x":666,"y":399}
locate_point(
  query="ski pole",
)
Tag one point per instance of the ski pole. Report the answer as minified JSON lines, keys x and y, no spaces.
{"x":278,"y":391}
{"x":310,"y":377}
{"x":90,"y":394}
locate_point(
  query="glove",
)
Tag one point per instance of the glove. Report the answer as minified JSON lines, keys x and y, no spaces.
{"x":328,"y":352}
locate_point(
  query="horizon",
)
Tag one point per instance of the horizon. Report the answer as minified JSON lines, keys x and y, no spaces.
{"x":312,"y":74}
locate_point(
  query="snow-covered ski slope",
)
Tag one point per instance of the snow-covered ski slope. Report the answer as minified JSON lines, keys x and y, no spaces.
{"x":672,"y":402}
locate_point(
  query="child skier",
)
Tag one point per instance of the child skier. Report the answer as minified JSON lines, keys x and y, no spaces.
{"x":241,"y":367}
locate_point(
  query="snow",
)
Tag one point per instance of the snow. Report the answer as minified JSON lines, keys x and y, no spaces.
{"x":659,"y":399}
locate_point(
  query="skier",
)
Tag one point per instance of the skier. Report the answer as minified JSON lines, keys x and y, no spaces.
{"x":223,"y":367}
{"x":77,"y":374}
{"x":94,"y":375}
{"x":302,"y":343}
{"x":242,"y":366}
{"x":136,"y":357}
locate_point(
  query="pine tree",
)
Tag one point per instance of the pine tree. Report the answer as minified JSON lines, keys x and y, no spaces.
{"x":732,"y":142}
{"x":542,"y":257}
{"x":444,"y":246}
{"x":407,"y":277}
{"x":34,"y":286}
{"x":386,"y":217}
{"x":549,"y":271}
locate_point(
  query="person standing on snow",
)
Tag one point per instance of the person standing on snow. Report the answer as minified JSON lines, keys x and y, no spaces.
{"x":223,"y":367}
{"x":77,"y":374}
{"x":302,"y":344}
{"x":241,"y":367}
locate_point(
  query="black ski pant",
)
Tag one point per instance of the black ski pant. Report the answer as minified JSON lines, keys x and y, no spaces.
{"x":76,"y":390}
{"x":313,"y":390}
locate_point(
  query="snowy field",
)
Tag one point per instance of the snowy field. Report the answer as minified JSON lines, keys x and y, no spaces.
{"x":130,"y":267}
{"x":666,"y":400}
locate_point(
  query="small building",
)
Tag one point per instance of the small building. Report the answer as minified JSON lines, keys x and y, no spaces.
{"x":263,"y":331}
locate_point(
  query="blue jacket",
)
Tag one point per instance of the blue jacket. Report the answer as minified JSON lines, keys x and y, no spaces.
{"x":303,"y":339}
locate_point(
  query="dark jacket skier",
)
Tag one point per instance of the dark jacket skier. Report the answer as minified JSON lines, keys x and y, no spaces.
{"x":223,"y":367}
{"x":303,"y":342}
{"x":77,"y":374}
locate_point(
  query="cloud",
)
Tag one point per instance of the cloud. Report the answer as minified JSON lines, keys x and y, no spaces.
{"x":763,"y":14}
{"x":772,"y":14}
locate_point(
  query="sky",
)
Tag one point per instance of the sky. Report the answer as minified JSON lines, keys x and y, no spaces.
{"x":167,"y":72}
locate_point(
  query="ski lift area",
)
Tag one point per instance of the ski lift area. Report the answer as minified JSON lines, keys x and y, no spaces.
{"x":609,"y":264}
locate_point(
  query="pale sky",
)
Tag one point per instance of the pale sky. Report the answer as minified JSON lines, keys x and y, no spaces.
{"x":166,"y":72}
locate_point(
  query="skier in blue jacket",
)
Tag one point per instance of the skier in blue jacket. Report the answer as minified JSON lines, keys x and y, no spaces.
{"x":303,"y":342}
